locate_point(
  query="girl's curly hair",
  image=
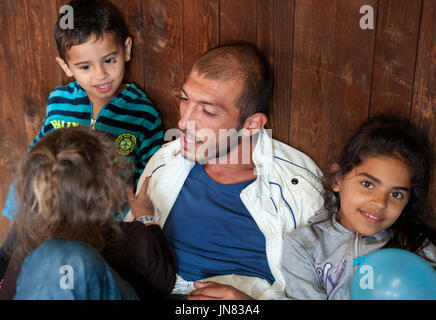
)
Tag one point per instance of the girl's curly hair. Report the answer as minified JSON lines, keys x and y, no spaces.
{"x":394,"y":137}
{"x":69,"y":185}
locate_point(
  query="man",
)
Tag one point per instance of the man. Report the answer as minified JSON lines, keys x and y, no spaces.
{"x":226,"y":201}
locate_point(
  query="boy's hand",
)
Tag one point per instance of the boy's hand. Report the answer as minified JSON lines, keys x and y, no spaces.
{"x":140,"y":204}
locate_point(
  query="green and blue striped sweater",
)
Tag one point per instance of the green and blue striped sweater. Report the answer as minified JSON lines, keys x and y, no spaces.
{"x":130,"y":117}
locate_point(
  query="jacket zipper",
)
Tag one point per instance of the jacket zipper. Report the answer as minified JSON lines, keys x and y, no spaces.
{"x":356,"y":255}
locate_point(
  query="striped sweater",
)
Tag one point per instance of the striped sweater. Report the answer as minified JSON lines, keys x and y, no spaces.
{"x":130,"y":117}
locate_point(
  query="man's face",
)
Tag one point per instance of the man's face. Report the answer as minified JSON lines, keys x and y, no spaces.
{"x":206,"y":106}
{"x":98,"y":66}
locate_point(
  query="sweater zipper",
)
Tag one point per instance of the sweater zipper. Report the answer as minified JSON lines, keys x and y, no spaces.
{"x":92,"y":117}
{"x":357,"y":236}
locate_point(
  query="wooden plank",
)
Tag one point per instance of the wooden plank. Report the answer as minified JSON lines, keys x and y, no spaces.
{"x":332,"y":61}
{"x":162,"y":55}
{"x":238,"y":20}
{"x":395,"y":54}
{"x":37,"y":53}
{"x":353,"y":61}
{"x":9,"y":124}
{"x":312,"y":77}
{"x":200,"y":30}
{"x":29,"y":73}
{"x":423,"y":112}
{"x":274,"y":38}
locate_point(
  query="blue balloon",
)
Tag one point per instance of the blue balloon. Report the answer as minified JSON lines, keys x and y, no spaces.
{"x":393,"y":274}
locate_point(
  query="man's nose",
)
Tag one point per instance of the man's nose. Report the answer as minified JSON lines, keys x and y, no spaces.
{"x":186,"y":115}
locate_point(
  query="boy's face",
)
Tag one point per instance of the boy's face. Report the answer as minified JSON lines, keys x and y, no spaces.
{"x":98,"y":66}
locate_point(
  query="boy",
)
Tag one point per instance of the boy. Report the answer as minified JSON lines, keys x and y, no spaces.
{"x":94,"y":52}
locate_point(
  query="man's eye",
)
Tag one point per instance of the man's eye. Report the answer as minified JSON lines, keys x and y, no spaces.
{"x":367,"y":184}
{"x":209,"y":114}
{"x":181,"y":97}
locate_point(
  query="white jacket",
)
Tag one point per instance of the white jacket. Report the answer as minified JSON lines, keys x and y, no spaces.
{"x":286,"y":193}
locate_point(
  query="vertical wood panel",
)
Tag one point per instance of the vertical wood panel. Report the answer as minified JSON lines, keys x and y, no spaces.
{"x":424,"y":91}
{"x":36,"y":52}
{"x":29,"y":73}
{"x":312,"y":76}
{"x":353,"y":60}
{"x":162,"y":55}
{"x":238,"y":21}
{"x":394,"y":61}
{"x":274,"y":39}
{"x":11,"y":128}
{"x":331,"y":75}
{"x":200,"y":30}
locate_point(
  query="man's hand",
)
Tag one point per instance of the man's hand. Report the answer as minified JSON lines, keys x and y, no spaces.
{"x":140,"y":205}
{"x":209,"y":290}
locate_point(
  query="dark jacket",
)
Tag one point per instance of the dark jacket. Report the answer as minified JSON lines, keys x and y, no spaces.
{"x":141,"y":257}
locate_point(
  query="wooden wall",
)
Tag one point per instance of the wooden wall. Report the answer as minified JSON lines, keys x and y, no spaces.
{"x":330,"y":75}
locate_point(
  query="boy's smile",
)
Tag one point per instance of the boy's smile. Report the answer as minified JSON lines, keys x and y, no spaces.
{"x":98,"y":66}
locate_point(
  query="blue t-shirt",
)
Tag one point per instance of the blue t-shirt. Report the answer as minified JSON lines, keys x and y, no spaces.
{"x":212,"y":233}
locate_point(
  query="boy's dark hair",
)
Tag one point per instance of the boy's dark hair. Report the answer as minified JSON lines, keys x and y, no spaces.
{"x":91,"y":18}
{"x":242,"y":60}
{"x":394,"y":137}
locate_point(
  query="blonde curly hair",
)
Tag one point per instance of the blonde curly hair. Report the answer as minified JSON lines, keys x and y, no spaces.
{"x":69,"y":185}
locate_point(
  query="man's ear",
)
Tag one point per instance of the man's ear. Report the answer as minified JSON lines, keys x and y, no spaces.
{"x":336,"y":177}
{"x":128,"y":49}
{"x":64,"y":67}
{"x":254,"y":123}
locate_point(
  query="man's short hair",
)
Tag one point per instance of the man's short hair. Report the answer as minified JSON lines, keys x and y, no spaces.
{"x":242,"y":60}
{"x":91,"y":18}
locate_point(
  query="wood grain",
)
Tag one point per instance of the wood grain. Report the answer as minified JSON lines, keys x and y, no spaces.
{"x":200,"y":30}
{"x":238,"y":21}
{"x":162,"y":55}
{"x":329,"y":74}
{"x":275,"y":27}
{"x":29,"y":73}
{"x":423,"y":112}
{"x":395,"y":56}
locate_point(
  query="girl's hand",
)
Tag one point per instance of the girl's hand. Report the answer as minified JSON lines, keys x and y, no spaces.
{"x":140,"y":204}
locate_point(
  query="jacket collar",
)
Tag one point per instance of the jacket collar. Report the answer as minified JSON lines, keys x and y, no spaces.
{"x":330,"y":225}
{"x":262,"y":154}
